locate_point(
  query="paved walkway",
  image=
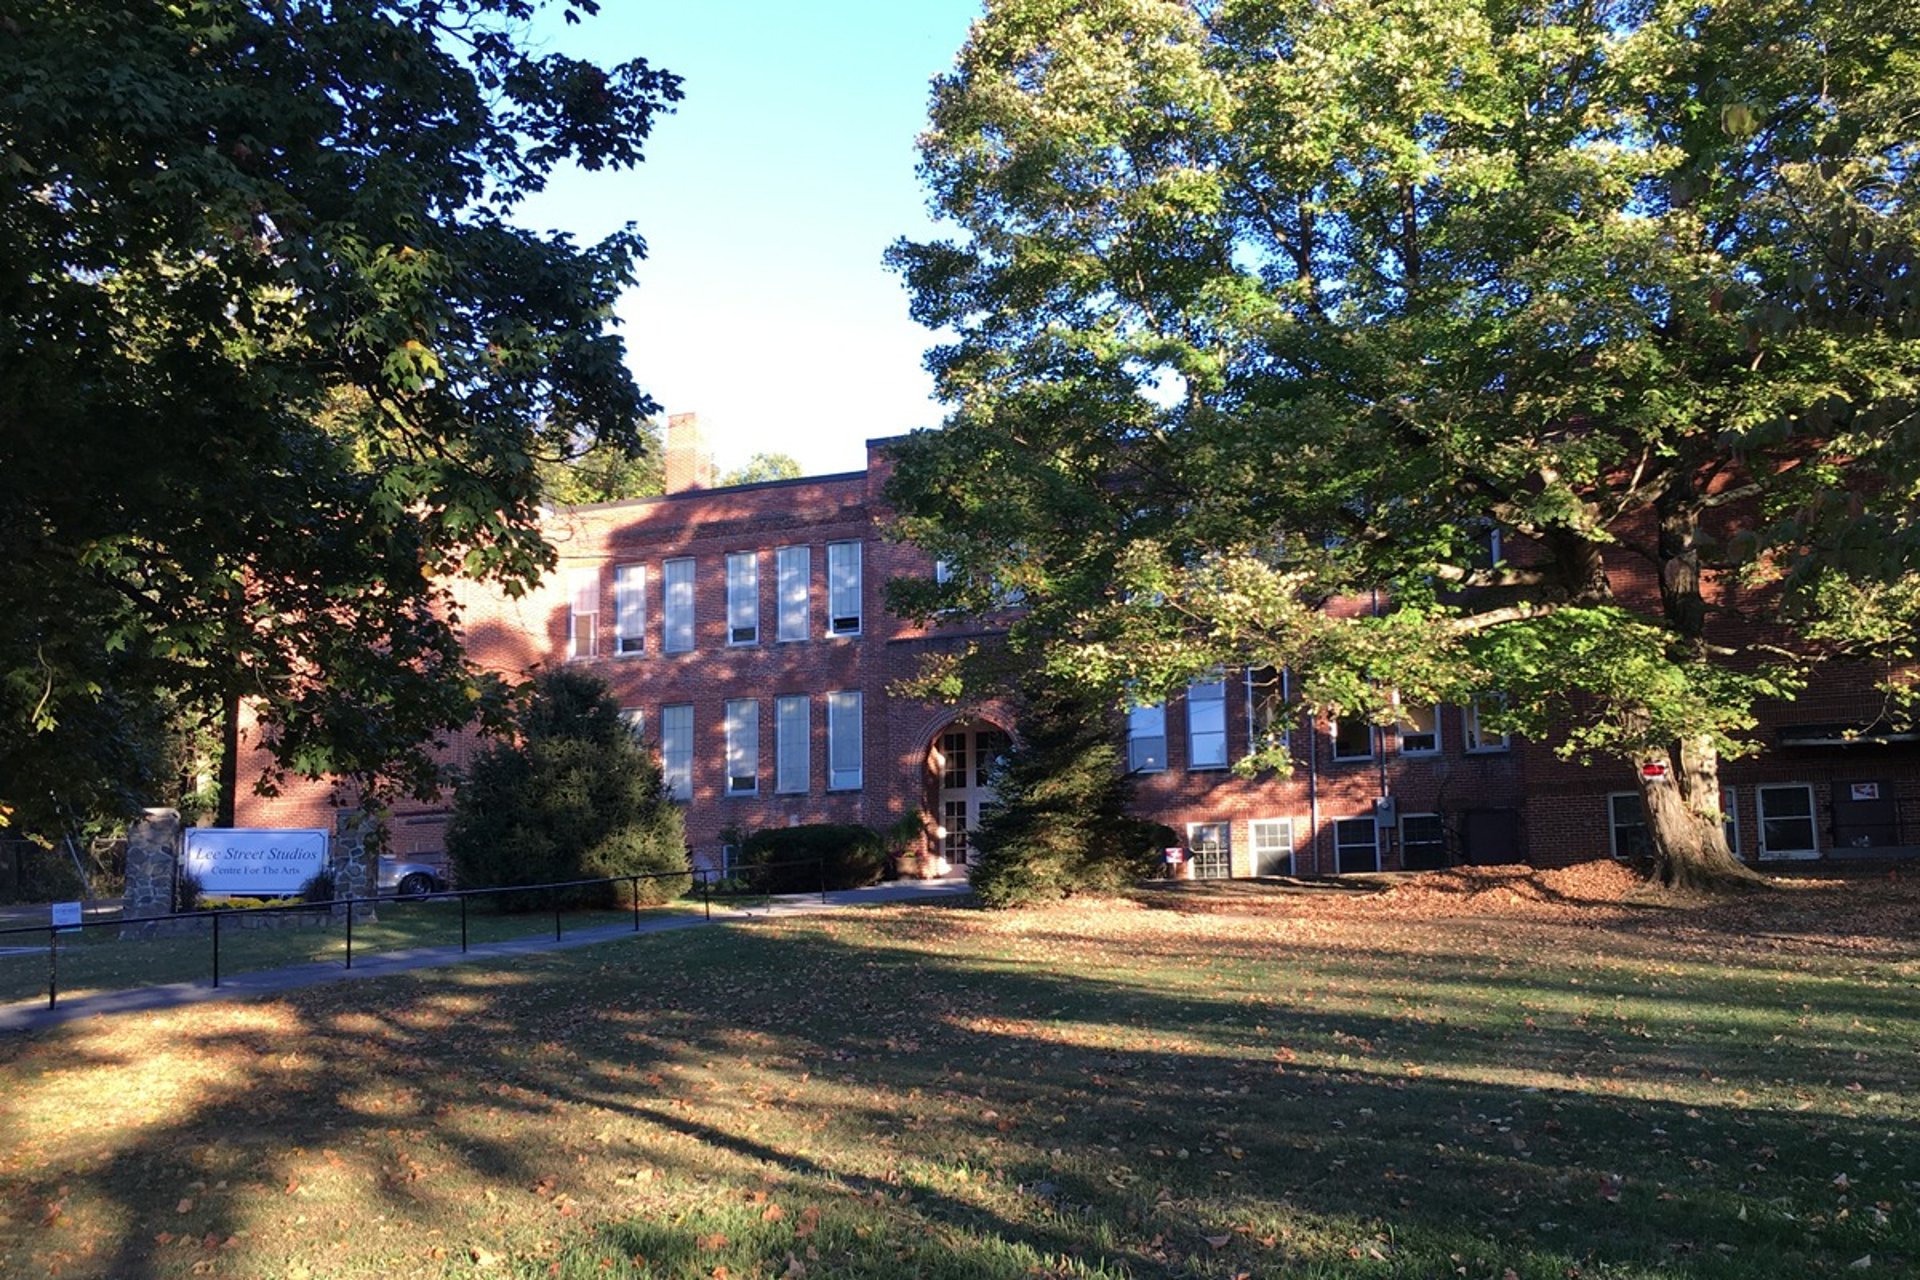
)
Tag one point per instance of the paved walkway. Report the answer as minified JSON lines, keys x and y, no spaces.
{"x":242,"y":986}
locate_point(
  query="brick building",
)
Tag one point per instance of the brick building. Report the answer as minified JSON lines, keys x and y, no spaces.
{"x":744,"y":631}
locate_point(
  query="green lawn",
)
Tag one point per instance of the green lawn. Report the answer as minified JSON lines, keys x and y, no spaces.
{"x":99,"y":959}
{"x":1089,"y":1091}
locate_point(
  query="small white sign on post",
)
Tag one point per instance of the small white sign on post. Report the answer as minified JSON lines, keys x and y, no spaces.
{"x":66,"y":917}
{"x":268,"y":864}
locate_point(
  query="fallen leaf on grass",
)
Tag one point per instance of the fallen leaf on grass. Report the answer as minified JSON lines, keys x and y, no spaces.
{"x":772,"y":1213}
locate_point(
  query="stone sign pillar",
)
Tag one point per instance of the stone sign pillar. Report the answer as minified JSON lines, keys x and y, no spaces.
{"x":354,"y":861}
{"x":153,"y":846}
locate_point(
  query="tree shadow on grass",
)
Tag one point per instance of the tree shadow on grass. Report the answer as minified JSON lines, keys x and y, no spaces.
{"x":974,"y":1115}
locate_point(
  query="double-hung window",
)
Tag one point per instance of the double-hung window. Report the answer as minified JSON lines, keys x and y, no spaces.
{"x":630,"y":608}
{"x":1423,"y":842}
{"x":1147,"y":738}
{"x":844,"y":749}
{"x":843,"y":588}
{"x":1207,"y":725}
{"x":1478,"y":736}
{"x":1730,"y":818}
{"x":1419,"y":730}
{"x":1353,"y":738}
{"x":676,"y":578}
{"x":1787,"y":828}
{"x":743,"y":598}
{"x":1627,"y":837}
{"x":743,"y":747}
{"x":636,"y":721}
{"x":1272,"y":840}
{"x":583,"y":612}
{"x":794,"y":567}
{"x":1269,"y":691}
{"x":676,"y":750}
{"x":792,"y":745}
{"x":1356,"y":845}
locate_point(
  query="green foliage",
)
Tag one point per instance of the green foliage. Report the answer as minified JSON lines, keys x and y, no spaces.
{"x":275,"y":364}
{"x":598,"y":471}
{"x":763,"y":466}
{"x":320,"y":887}
{"x":188,"y":895}
{"x":572,"y":796}
{"x":834,"y":855}
{"x":1058,"y":823}
{"x":1261,"y":305}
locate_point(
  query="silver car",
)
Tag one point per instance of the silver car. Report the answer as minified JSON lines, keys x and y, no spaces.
{"x":411,"y":877}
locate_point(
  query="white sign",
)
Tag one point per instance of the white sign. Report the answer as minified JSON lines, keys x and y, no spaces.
{"x":268,"y":864}
{"x":1865,"y":791}
{"x":66,"y":917}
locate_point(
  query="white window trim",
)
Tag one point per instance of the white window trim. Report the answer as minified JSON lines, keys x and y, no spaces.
{"x":1439,"y":736}
{"x":1372,"y":745}
{"x":629,"y":606}
{"x":859,"y":592}
{"x":1813,"y":821}
{"x":785,"y":756}
{"x":743,"y":745}
{"x":1226,"y":841}
{"x":837,"y":780}
{"x":1613,"y":828}
{"x":792,"y":617}
{"x":743,"y":598}
{"x":577,"y":581}
{"x":1132,"y":737}
{"x":1225,"y":756}
{"x":1371,"y":826}
{"x":1254,"y":826}
{"x":1474,"y":738}
{"x":684,"y":792}
{"x":668,"y":568}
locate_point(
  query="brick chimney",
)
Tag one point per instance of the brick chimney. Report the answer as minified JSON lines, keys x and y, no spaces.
{"x":689,"y":462}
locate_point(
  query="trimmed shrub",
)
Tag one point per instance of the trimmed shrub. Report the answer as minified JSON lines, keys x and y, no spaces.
{"x":574,"y":796}
{"x":780,"y":859}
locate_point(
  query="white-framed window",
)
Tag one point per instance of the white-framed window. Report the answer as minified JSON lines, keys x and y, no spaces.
{"x":1418,"y":730}
{"x":792,"y":745}
{"x":1269,"y":707}
{"x":1730,"y":818}
{"x":1423,"y":841}
{"x":1356,"y":845}
{"x":1477,"y":736}
{"x":1207,"y":724}
{"x":1272,"y":841}
{"x":729,"y":860}
{"x":794,"y":567}
{"x":676,"y":750}
{"x":1627,"y":834}
{"x":1147,"y":738}
{"x":630,"y":608}
{"x":843,"y":588}
{"x":1210,"y":848}
{"x":743,"y":598}
{"x":635,"y":718}
{"x":845,"y":753}
{"x":743,"y":747}
{"x":1787,"y":827}
{"x":942,"y":572}
{"x":583,"y":612}
{"x":676,"y":577}
{"x":1352,"y":738}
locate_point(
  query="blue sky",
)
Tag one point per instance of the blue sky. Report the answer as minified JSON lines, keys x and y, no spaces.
{"x":766,"y":202}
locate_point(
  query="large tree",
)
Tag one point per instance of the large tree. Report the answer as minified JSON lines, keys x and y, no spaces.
{"x":1263,"y":304}
{"x":276,"y":363}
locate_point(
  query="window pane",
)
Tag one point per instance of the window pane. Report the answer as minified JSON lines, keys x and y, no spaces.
{"x":635,"y":720}
{"x":1479,"y":737}
{"x":1627,"y":826}
{"x":1786,"y":821}
{"x":1272,"y":840}
{"x":583,"y":611}
{"x":1419,"y":730}
{"x":676,"y":750}
{"x":743,"y":598}
{"x":843,"y":588}
{"x":677,"y":579}
{"x":1355,"y":845}
{"x":796,"y":569}
{"x":1352,"y":738}
{"x":1210,"y":846}
{"x":630,"y":608}
{"x":844,"y":740}
{"x":953,"y":754}
{"x":791,"y":733}
{"x":1147,"y":738}
{"x":1207,"y":725}
{"x":743,"y":746}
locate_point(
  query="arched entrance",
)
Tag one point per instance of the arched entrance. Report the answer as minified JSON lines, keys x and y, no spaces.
{"x":959,"y":769}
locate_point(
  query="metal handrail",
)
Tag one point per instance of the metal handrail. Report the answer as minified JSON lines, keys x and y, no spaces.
{"x":705,"y":876}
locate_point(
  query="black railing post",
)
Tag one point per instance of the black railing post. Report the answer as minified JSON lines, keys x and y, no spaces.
{"x":823,"y":880}
{"x":53,"y":966}
{"x":706,"y":892}
{"x":463,"y":923}
{"x":634,"y":888}
{"x":349,"y":931}
{"x":216,"y":950}
{"x":556,"y":915}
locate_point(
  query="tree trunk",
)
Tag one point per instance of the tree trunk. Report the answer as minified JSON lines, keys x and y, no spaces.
{"x":1685,"y":822}
{"x":226,"y":803}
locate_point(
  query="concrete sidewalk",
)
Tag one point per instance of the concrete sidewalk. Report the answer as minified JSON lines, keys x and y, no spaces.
{"x":242,"y":986}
